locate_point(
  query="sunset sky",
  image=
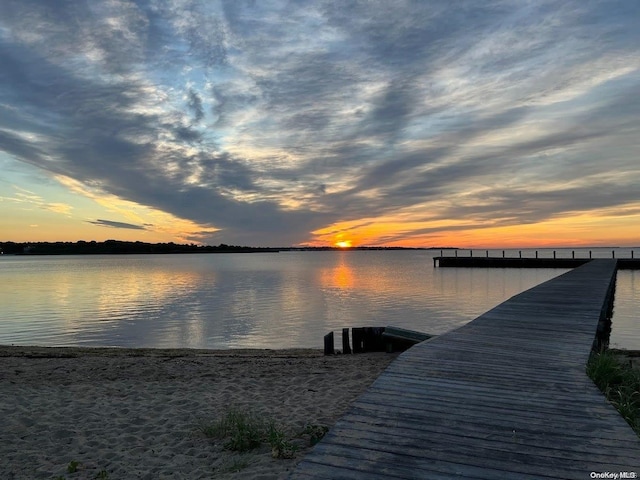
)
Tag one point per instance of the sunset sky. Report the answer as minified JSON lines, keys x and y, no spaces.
{"x":486,"y":123}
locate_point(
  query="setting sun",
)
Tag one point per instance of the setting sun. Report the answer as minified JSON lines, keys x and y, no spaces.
{"x":343,"y":244}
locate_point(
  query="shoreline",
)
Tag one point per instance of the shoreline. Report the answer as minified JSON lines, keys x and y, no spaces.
{"x":36,"y":351}
{"x":134,"y":413}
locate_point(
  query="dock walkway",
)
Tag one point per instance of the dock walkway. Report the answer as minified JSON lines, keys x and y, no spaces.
{"x":504,"y":397}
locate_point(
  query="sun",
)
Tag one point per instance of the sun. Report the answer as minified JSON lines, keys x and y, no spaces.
{"x":344,"y":244}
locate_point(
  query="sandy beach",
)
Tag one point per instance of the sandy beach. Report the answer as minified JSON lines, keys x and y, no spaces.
{"x":136,"y":414}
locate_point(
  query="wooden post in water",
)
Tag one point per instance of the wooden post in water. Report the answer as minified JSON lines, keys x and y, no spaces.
{"x":488,"y":254}
{"x":346,"y":347}
{"x":554,"y":254}
{"x":471,"y":253}
{"x":573,"y":254}
{"x":536,"y":253}
{"x":456,"y":252}
{"x":613,"y":254}
{"x":520,"y":253}
{"x":373,"y":339}
{"x":589,"y":253}
{"x":502,"y":253}
{"x":357,"y":335}
{"x":631,"y":254}
{"x":328,"y":344}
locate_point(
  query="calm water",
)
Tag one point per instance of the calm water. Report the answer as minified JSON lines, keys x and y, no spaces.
{"x":276,"y":300}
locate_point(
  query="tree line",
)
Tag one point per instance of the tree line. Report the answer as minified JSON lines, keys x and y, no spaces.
{"x":82,"y":247}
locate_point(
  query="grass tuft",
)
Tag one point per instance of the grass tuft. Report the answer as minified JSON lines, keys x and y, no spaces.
{"x":73,"y":466}
{"x":243,"y":431}
{"x":619,"y":383}
{"x":280,"y":446}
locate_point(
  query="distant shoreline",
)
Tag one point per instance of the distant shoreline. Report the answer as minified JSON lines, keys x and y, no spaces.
{"x":118,"y":247}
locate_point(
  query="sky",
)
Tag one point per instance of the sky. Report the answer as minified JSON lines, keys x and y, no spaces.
{"x":485,"y":123}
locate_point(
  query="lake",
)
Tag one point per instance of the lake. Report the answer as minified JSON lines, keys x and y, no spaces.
{"x":258,"y":300}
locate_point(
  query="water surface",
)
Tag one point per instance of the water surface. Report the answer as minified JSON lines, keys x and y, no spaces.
{"x":259,"y":300}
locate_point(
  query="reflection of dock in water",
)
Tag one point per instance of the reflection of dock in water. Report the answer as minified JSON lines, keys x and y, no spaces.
{"x":505,"y":396}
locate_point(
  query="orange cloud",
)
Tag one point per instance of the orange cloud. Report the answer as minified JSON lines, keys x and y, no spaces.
{"x":602,"y":228}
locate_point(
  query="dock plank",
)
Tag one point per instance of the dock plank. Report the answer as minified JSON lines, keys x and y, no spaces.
{"x":505,"y":396}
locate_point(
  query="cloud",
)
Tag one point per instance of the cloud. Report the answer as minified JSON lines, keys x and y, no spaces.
{"x":112,"y":224}
{"x":62,"y":208}
{"x":265,"y":121}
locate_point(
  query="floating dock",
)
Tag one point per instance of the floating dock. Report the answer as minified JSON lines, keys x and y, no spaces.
{"x":504,"y":397}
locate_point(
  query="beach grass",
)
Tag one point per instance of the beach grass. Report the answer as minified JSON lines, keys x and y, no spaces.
{"x":620,"y":383}
{"x":243,"y":431}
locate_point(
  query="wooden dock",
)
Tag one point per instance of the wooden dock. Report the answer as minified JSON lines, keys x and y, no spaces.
{"x":504,"y":397}
{"x":510,"y":262}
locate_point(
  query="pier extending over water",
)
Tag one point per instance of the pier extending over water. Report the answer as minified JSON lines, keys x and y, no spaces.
{"x":531,"y":259}
{"x":500,"y":262}
{"x":504,"y":397}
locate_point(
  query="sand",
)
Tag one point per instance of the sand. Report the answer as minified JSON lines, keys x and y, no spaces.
{"x":135,"y":414}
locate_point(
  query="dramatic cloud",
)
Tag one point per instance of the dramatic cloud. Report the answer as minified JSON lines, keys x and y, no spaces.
{"x":267,"y":121}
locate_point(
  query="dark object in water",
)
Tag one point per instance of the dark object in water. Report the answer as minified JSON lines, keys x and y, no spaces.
{"x":375,"y":339}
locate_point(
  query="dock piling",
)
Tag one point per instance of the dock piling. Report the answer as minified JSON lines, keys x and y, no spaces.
{"x":328,"y":344}
{"x":346,"y":347}
{"x":357,"y":336}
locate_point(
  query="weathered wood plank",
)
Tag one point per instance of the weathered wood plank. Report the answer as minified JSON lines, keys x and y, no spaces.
{"x":597,"y":422}
{"x":527,"y":434}
{"x":472,"y":452}
{"x":505,"y":396}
